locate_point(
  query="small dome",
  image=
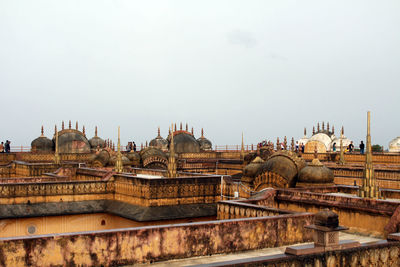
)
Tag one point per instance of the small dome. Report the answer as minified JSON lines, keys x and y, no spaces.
{"x":96,"y":142}
{"x":184,"y":142}
{"x":159,"y":142}
{"x":253,"y":168}
{"x":285,"y":163}
{"x":204,"y":143}
{"x":101,"y":159}
{"x":394,"y":145}
{"x":316,"y":172}
{"x":153,"y":158}
{"x":125,"y":160}
{"x":42,"y":144}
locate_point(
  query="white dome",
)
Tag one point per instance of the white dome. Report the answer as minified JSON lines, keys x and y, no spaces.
{"x":323,"y":138}
{"x":303,"y":140}
{"x":394,"y":145}
{"x":345,"y":140}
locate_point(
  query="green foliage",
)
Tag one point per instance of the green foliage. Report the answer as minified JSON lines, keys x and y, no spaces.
{"x":376,"y":148}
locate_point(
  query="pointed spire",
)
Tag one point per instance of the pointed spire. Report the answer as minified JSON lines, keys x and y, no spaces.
{"x":192,"y":131}
{"x":171,"y":173}
{"x":159,"y":135}
{"x":242,"y":148}
{"x":292,"y":144}
{"x":175,"y":127}
{"x":62,"y":125}
{"x":118,"y":163}
{"x":285,"y":143}
{"x":180,"y":126}
{"x":202,"y":133}
{"x":187,"y":127}
{"x":333,"y":129}
{"x":369,"y":186}
{"x":313,"y":130}
{"x":318,"y":127}
{"x":278,"y":144}
{"x":69,"y":125}
{"x":305,"y":132}
{"x":95,"y":131}
{"x":146,"y":144}
{"x":42,"y":132}
{"x":57,"y":159}
{"x":327,"y":126}
{"x":323,"y":126}
{"x":76,"y":125}
{"x":83,"y":130}
{"x":342,"y":132}
{"x":55,"y":130}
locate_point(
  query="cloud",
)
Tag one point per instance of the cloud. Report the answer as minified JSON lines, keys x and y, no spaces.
{"x":242,"y":38}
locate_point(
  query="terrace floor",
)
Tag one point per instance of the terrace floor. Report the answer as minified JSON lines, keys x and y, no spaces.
{"x":246,"y":254}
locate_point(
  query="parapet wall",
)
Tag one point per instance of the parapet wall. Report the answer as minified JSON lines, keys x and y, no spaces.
{"x":155,"y":243}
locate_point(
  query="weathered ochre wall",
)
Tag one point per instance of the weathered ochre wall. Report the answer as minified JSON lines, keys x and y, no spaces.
{"x":75,"y":223}
{"x":145,"y":244}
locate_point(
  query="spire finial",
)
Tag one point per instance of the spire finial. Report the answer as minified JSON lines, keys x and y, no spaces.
{"x":285,"y":143}
{"x":202,"y":133}
{"x":159,"y":135}
{"x":55,"y":130}
{"x":305,"y":132}
{"x":192,"y":131}
{"x":278,"y":144}
{"x":171,"y":173}
{"x":313,"y":130}
{"x":180,"y":128}
{"x":292,"y":144}
{"x":323,"y":126}
{"x":83,"y":130}
{"x":318,"y":127}
{"x":174,"y":128}
{"x":42,"y":132}
{"x":69,"y":125}
{"x":187,"y":127}
{"x":95,"y":131}
{"x":62,"y":125}
{"x":118,"y":163}
{"x":76,"y":125}
{"x":327,"y":126}
{"x":342,"y":132}
{"x":333,"y":129}
{"x":57,"y":159}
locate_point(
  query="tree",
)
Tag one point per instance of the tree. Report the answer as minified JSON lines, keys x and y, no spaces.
{"x":377,"y":148}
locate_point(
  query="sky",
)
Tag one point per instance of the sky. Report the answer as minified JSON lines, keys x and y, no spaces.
{"x":264,"y":68}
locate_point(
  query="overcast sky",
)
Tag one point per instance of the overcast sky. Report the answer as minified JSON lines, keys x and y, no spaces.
{"x":267,"y":68}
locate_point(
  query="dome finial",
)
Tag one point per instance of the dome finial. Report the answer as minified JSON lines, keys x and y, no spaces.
{"x":174,"y":128}
{"x":62,"y":125}
{"x":318,"y":127}
{"x":83,"y":130}
{"x":187,"y":127}
{"x":95,"y":131}
{"x":192,"y":131}
{"x":76,"y":125}
{"x":313,"y":130}
{"x":159,"y":135}
{"x":55,"y":129}
{"x":42,"y":132}
{"x":278,"y":144}
{"x":323,"y":126}
{"x":69,"y":125}
{"x":180,"y":128}
{"x":327,"y":126}
{"x":285,"y":143}
{"x":202,"y":133}
{"x":342,"y":133}
{"x":292,"y":144}
{"x":333,"y":129}
{"x":305,"y":132}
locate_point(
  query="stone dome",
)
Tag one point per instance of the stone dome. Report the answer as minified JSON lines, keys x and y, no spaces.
{"x":153,"y":158}
{"x":394,"y":145}
{"x":204,"y":143}
{"x":252,"y":169}
{"x":285,"y":163}
{"x":184,"y":142}
{"x":101,"y":159}
{"x":72,"y":141}
{"x":316,"y":172}
{"x":159,"y":142}
{"x":96,"y":141}
{"x":42,"y":144}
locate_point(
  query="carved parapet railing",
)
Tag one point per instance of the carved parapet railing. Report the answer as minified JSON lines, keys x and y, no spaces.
{"x":378,"y":158}
{"x":237,"y":209}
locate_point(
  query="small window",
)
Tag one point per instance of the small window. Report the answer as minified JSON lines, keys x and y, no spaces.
{"x":103,"y":222}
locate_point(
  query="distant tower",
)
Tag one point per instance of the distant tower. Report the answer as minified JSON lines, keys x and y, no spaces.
{"x":369,"y":189}
{"x":171,"y":173}
{"x":118,"y":163}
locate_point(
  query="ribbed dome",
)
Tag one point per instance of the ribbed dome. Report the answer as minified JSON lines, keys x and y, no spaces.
{"x":153,"y":158}
{"x":96,"y":141}
{"x":204,"y":143}
{"x":253,"y":168}
{"x":285,"y":163}
{"x":394,"y":145}
{"x":323,"y":138}
{"x":159,"y":142}
{"x":42,"y":144}
{"x":72,"y":141}
{"x":184,"y":142}
{"x":316,"y":172}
